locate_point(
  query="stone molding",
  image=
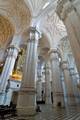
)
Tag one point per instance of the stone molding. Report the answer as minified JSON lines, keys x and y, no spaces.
{"x":63,"y":65}
{"x":54,"y":51}
{"x":13,"y":47}
{"x":12,"y":52}
{"x":33,"y":30}
{"x":29,"y":90}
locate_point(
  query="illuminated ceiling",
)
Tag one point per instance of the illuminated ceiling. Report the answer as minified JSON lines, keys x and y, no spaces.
{"x":38,"y":7}
{"x":43,"y":12}
{"x":6,"y":31}
{"x":14,"y":19}
{"x":17,"y":12}
{"x":20,"y":13}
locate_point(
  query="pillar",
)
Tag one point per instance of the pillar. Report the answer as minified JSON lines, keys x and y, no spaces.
{"x":2,"y":53}
{"x":8,"y":97}
{"x":47,"y":83}
{"x":39,"y":81}
{"x":68,"y":12}
{"x":69,"y":84}
{"x":74,"y":76}
{"x":27,"y":97}
{"x":13,"y":50}
{"x":58,"y":97}
{"x":39,"y":90}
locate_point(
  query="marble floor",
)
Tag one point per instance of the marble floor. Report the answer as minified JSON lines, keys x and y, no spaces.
{"x":49,"y":113}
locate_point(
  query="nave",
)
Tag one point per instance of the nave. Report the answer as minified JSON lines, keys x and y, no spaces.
{"x":40,"y":59}
{"x":50,"y":113}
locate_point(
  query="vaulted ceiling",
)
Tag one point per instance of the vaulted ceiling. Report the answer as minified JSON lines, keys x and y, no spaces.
{"x":14,"y":19}
{"x":44,"y":15}
{"x":22,"y":13}
{"x":37,"y":7}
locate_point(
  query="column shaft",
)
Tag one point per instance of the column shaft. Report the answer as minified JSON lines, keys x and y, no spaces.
{"x":27,"y":96}
{"x":68,"y":11}
{"x":58,"y":98}
{"x":39,"y":91}
{"x":47,"y":83}
{"x":69,"y":85}
{"x":9,"y":66}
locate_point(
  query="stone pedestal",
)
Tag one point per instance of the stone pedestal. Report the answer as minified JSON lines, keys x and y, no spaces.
{"x":26,"y":104}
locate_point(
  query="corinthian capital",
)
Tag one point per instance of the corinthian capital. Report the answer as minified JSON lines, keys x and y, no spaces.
{"x":34,"y":33}
{"x":55,"y":50}
{"x":54,"y":54}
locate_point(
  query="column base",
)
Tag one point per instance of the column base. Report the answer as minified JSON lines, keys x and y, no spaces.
{"x":58,"y":102}
{"x":5,"y":98}
{"x":26,"y":105}
{"x":71,"y":101}
{"x":48,"y":101}
{"x":58,"y":105}
{"x":29,"y":111}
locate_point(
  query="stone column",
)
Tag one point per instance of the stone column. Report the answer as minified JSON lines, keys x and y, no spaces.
{"x":47,"y":83}
{"x":39,"y":81}
{"x":13,"y":50}
{"x":69,"y":13}
{"x":74,"y":76}
{"x":2,"y":55}
{"x":8,"y":97}
{"x":39,"y":90}
{"x":58,"y":98}
{"x":69,"y":85}
{"x":27,"y":97}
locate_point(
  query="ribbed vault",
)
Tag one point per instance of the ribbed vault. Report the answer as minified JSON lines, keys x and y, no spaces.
{"x":21,"y":12}
{"x":36,"y":6}
{"x":44,"y":13}
{"x":6,"y":31}
{"x":17,"y":12}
